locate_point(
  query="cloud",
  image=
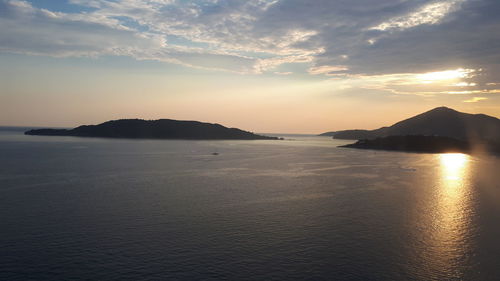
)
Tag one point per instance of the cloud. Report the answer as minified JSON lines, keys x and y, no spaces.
{"x":263,"y":65}
{"x":25,"y":29}
{"x":326,"y":69}
{"x":475,"y":99}
{"x":459,"y":73}
{"x":331,"y":37}
{"x":430,"y":84}
{"x":463,"y":37}
{"x":431,"y":13}
{"x":465,"y":84}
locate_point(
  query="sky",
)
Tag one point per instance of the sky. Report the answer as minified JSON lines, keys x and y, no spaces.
{"x":283,"y":66}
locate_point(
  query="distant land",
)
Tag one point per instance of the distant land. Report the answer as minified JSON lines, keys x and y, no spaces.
{"x":429,"y":144}
{"x":440,"y":121}
{"x":154,"y":129}
{"x":15,"y":128}
{"x":439,"y":130}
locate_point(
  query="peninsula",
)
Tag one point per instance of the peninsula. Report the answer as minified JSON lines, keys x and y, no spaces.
{"x":154,"y":129}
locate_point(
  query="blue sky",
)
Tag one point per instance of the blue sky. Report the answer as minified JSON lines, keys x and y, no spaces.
{"x":309,"y":61}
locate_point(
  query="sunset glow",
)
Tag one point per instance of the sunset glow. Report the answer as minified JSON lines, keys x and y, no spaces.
{"x":445,"y":75}
{"x":249,"y":140}
{"x":454,"y":165}
{"x":291,"y":66}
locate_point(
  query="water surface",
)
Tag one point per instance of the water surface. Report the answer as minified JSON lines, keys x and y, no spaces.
{"x":302,"y":209}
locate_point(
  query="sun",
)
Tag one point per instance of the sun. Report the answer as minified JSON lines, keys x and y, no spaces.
{"x":459,"y":73}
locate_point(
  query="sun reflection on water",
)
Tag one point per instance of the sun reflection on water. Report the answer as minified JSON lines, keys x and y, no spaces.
{"x":453,"y":195}
{"x":450,"y":231}
{"x":454,"y":167}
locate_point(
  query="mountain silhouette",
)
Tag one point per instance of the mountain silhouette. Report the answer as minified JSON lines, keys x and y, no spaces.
{"x":153,"y":129}
{"x":440,"y":121}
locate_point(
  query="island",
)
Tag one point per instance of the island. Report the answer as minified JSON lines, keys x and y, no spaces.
{"x":154,"y":129}
{"x":439,"y":130}
{"x":440,"y":121}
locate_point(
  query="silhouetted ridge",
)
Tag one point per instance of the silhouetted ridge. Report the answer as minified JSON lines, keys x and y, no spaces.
{"x":153,"y":129}
{"x":440,"y":121}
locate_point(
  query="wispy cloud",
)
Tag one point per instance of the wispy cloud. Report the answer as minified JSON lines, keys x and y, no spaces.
{"x":475,"y":99}
{"x":258,"y":36}
{"x":326,"y":69}
{"x":431,"y":13}
{"x":25,"y":29}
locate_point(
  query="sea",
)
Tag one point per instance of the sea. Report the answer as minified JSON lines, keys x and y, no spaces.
{"x":296,"y":209}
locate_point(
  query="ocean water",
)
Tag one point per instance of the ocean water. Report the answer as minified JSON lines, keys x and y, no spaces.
{"x":299,"y":209}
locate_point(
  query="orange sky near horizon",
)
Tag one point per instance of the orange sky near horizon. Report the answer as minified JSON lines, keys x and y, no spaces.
{"x":68,"y":97}
{"x":259,"y":65}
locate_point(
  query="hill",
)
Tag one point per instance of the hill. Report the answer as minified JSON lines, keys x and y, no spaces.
{"x":440,"y":121}
{"x":153,"y":129}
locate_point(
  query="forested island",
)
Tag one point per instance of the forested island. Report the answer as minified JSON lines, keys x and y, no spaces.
{"x":154,"y":129}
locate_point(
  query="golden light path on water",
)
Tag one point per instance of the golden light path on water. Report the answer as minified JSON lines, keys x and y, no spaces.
{"x":453,"y":211}
{"x":454,"y":168}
